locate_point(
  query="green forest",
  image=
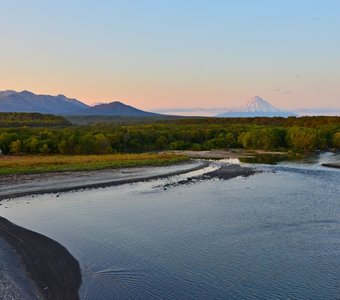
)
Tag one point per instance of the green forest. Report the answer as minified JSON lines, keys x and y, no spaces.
{"x":45,"y":134}
{"x":31,"y":120}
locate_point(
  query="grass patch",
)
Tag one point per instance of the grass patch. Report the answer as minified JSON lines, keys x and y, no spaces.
{"x":66,"y":163}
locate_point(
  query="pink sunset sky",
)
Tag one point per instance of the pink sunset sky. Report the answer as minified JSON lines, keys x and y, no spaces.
{"x":161,"y":55}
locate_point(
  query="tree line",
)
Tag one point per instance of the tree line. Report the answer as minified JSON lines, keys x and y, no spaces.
{"x":16,"y":119}
{"x":300,"y":135}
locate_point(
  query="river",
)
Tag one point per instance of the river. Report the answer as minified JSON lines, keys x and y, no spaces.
{"x":273,"y":235}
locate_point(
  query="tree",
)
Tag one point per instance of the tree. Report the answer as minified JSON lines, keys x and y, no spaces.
{"x":15,"y":147}
{"x":5,"y":141}
{"x":45,"y":149}
{"x":62,"y":147}
{"x":72,"y":144}
{"x":32,"y":145}
{"x":301,"y":139}
{"x":230,"y":140}
{"x":336,"y":140}
{"x":265,"y":138}
{"x":87,"y":144}
{"x":161,"y":142}
{"x":102,"y":144}
{"x":179,"y":145}
{"x":245,"y":139}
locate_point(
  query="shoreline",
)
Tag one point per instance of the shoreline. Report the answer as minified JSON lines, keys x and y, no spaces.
{"x":49,"y":266}
{"x":44,"y":268}
{"x":225,"y":154}
{"x":35,"y":184}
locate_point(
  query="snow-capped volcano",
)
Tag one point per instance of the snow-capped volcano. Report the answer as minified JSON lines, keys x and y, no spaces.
{"x":256,"y":107}
{"x":258,"y":104}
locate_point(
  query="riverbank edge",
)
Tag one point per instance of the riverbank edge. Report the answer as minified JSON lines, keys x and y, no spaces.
{"x":16,"y":193}
{"x":54,"y":271}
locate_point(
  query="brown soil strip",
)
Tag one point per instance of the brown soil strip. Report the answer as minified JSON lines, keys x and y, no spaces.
{"x":55,"y":272}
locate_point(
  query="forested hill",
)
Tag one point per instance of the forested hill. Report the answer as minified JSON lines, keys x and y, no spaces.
{"x":31,"y":120}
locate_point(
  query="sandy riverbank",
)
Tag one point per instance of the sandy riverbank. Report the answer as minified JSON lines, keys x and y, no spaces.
{"x":22,"y":185}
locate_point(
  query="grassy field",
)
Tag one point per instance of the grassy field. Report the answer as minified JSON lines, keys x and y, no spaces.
{"x":62,"y":163}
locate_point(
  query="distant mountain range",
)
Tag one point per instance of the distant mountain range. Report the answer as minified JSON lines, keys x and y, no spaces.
{"x":25,"y":101}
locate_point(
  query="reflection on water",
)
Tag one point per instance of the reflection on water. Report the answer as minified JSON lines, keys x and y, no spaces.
{"x":274,"y":235}
{"x":270,"y":159}
{"x":327,"y":157}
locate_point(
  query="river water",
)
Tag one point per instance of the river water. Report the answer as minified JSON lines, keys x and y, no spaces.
{"x":274,"y":235}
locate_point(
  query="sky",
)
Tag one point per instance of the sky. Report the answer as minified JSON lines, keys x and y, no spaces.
{"x":174,"y":54}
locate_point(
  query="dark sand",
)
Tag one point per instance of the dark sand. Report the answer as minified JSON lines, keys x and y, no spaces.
{"x":331,"y":165}
{"x":54,"y":271}
{"x":14,"y":282}
{"x":228,"y":172}
{"x":224,"y":173}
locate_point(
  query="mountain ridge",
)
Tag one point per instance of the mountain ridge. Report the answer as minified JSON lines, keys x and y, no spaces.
{"x":26,"y":101}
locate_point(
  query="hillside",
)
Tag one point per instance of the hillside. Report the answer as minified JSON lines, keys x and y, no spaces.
{"x":25,"y":101}
{"x":116,"y":108}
